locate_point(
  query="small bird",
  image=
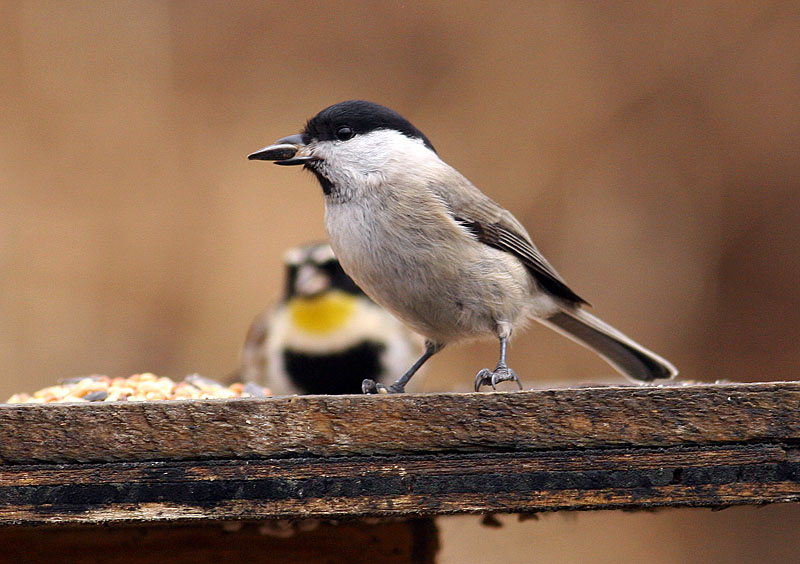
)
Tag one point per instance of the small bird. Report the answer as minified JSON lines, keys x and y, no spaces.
{"x":325,"y":336}
{"x":426,"y":244}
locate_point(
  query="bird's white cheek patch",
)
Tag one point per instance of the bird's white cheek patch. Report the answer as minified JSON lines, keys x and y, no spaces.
{"x":371,"y":157}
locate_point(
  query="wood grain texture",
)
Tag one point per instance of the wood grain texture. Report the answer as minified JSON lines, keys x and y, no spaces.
{"x":404,"y":424}
{"x":400,"y":456}
{"x":399,"y":486}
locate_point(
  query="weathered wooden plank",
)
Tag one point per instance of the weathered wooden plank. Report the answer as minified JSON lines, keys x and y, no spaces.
{"x":405,"y":424}
{"x":400,"y":486}
{"x":348,"y":543}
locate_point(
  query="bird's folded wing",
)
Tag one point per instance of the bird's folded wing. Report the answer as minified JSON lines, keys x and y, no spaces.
{"x":493,"y":225}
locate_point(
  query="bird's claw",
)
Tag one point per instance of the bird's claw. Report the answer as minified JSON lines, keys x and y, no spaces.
{"x":483,"y":378}
{"x":370,"y":387}
{"x":373,"y":387}
{"x":491,"y":378}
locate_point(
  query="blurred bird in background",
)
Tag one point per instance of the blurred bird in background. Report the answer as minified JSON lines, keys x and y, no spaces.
{"x":325,"y":336}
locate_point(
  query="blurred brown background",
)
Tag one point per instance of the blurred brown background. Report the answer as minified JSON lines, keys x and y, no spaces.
{"x":650,"y":148}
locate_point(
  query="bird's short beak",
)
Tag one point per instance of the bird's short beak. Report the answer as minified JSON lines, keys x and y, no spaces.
{"x":286,"y":151}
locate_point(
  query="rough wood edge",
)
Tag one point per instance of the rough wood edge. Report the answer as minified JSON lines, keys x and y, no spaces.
{"x":406,"y":486}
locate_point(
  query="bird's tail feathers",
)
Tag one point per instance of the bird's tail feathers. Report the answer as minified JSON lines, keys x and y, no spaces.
{"x":620,"y":351}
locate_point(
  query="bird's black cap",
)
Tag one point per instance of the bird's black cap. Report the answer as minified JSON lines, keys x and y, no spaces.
{"x":361,"y":117}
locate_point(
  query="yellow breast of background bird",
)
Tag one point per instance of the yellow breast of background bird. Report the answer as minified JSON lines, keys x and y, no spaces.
{"x":322,"y":314}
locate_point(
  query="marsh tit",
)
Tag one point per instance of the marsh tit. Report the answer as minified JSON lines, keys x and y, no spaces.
{"x":324,"y":336}
{"x":427,"y":245}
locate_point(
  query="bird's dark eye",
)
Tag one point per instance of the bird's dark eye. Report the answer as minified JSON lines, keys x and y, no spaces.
{"x":343,"y":133}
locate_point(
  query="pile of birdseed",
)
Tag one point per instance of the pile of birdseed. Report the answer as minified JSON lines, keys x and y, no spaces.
{"x":139,"y":387}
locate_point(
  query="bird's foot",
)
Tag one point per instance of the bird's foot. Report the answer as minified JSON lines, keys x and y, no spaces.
{"x":373,"y":387}
{"x":491,"y":378}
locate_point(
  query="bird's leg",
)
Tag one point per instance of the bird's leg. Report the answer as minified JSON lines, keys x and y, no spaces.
{"x":372,"y":387}
{"x":502,"y":373}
